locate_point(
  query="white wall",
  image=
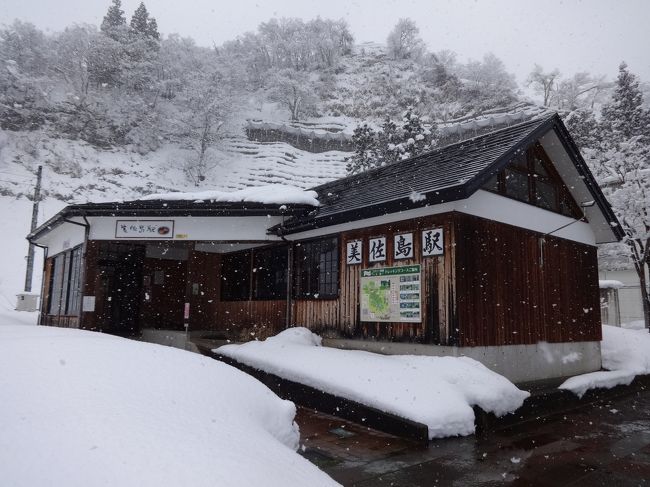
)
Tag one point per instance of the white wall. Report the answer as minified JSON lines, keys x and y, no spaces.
{"x":241,"y":229}
{"x":482,"y":204}
{"x":63,"y":237}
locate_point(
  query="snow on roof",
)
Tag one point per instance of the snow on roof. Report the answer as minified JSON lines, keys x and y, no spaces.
{"x":436,"y":391}
{"x":280,"y":194}
{"x":85,"y":409}
{"x":610,"y":284}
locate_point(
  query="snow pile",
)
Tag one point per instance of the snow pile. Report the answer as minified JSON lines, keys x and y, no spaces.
{"x":610,"y":284}
{"x":436,"y":391}
{"x":625,"y":354}
{"x":597,"y":380}
{"x":269,"y":194}
{"x":626,"y":349}
{"x":84,"y":409}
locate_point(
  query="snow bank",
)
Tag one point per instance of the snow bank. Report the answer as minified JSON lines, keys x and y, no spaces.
{"x":597,"y":380}
{"x":625,"y":354}
{"x":626,"y":349}
{"x":436,"y":391}
{"x":85,"y":409}
{"x":269,"y":194}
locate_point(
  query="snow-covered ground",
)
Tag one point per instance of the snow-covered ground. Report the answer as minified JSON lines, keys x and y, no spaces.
{"x":85,"y":409}
{"x":436,"y":391}
{"x":625,"y":353}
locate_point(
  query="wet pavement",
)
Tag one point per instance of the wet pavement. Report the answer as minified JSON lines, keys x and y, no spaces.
{"x":603,"y":444}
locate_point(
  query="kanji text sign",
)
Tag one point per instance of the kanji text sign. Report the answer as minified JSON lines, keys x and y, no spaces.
{"x":144,"y":229}
{"x":354,"y":252}
{"x":432,"y":242}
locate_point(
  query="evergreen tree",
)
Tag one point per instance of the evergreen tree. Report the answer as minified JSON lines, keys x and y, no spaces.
{"x":623,"y":162}
{"x":140,"y":20}
{"x":364,"y":140}
{"x":415,"y":137}
{"x":584,"y":128}
{"x":625,"y":116}
{"x":387,"y":140}
{"x":114,"y":19}
{"x":152,"y":29}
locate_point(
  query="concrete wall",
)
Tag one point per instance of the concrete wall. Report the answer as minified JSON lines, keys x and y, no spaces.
{"x":519,"y":363}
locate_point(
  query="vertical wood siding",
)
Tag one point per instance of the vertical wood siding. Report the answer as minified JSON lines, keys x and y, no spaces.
{"x":340,"y":317}
{"x":512,"y":290}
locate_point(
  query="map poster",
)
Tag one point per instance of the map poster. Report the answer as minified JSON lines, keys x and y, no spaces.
{"x":391,"y":294}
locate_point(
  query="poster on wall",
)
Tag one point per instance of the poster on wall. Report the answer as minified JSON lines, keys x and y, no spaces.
{"x":391,"y":294}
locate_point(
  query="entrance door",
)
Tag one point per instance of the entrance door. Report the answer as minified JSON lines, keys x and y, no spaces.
{"x":120,"y":268}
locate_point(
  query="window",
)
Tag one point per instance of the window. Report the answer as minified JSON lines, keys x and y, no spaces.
{"x":235,"y":276}
{"x":74,"y":289}
{"x":270,"y":273}
{"x":530,"y":177}
{"x":65,"y":284}
{"x":316,"y":269}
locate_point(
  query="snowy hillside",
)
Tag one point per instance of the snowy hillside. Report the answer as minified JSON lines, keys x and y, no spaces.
{"x":75,"y":171}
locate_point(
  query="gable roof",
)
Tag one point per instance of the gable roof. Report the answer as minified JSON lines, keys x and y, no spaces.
{"x":450,"y":173}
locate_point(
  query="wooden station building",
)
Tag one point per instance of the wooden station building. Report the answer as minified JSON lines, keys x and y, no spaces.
{"x":484,"y":248}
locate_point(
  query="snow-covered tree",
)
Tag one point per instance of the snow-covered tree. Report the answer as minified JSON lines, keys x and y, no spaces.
{"x":114,"y":20}
{"x":581,"y":91}
{"x":293,"y":90}
{"x":404,"y":41}
{"x":623,"y":168}
{"x":543,"y":83}
{"x":487,"y":84}
{"x":390,"y":144}
{"x":625,"y":116}
{"x":364,"y":139}
{"x":142,"y":24}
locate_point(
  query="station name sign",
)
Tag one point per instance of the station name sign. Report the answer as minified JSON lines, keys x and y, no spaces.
{"x":144,"y":229}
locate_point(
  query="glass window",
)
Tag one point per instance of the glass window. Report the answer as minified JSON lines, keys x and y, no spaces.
{"x":270,"y":273}
{"x":316,"y":269}
{"x":492,"y":184}
{"x":56,"y":285}
{"x":517,"y":185}
{"x":235,"y":276}
{"x":541,"y":183}
{"x":74,"y":287}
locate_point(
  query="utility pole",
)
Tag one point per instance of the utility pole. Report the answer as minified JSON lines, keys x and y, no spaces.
{"x":30,"y":252}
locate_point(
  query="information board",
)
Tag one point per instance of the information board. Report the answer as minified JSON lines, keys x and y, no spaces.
{"x":391,"y":294}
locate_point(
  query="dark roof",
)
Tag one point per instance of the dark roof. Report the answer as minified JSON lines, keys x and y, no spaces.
{"x":449,"y":173}
{"x":167,"y":208}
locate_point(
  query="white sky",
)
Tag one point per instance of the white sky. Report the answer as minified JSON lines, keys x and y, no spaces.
{"x":572,"y":35}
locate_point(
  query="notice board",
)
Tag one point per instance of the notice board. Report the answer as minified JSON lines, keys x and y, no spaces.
{"x":391,"y":294}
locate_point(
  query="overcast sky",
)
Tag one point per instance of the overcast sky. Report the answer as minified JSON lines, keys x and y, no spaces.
{"x":572,"y":35}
